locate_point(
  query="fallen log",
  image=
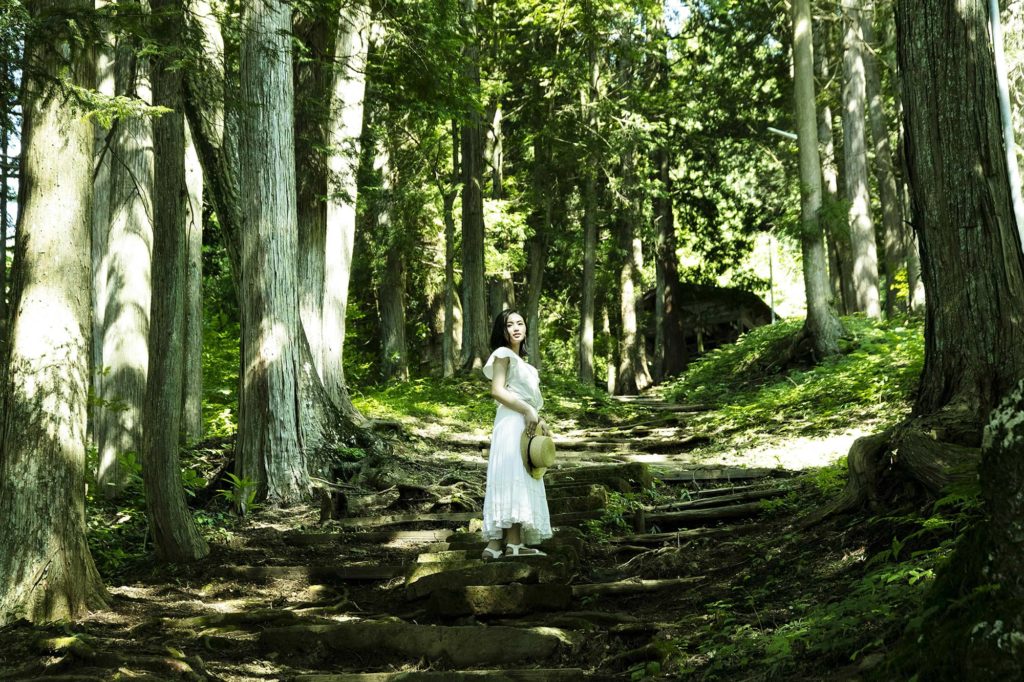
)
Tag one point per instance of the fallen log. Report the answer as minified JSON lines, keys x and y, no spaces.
{"x":721,"y":500}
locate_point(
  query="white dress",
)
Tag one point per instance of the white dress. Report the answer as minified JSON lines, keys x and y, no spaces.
{"x":513,"y":495}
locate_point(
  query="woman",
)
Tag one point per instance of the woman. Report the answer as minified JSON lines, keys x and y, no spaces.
{"x":515,"y":505}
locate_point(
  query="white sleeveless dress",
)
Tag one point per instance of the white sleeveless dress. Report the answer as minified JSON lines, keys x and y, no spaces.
{"x":513,"y":495}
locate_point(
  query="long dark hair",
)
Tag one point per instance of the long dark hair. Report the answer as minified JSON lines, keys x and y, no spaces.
{"x":498,"y":332}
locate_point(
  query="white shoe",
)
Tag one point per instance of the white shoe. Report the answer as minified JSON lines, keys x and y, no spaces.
{"x":522,"y":550}
{"x":489,"y":553}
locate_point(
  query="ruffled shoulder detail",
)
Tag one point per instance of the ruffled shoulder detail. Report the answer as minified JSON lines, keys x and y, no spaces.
{"x":502,"y":352}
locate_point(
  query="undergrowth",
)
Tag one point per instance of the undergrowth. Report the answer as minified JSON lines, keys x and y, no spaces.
{"x":869,"y":384}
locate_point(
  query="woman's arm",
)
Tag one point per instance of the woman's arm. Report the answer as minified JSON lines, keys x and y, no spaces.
{"x":510,"y":399}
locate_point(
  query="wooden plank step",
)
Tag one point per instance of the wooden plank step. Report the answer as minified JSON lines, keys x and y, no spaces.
{"x":720,"y":500}
{"x":395,"y":519}
{"x":513,"y":675}
{"x":313,"y":574}
{"x":724,"y":474}
{"x":698,"y":516}
{"x":460,"y":645}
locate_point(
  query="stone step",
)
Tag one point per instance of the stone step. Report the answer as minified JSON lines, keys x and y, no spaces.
{"x":455,"y":645}
{"x":514,"y":675}
{"x":313,"y":574}
{"x":303,"y":539}
{"x":567,"y":505}
{"x":426,"y":578}
{"x":396,"y":519}
{"x":637,"y":474}
{"x":554,"y":492}
{"x":499,"y":600}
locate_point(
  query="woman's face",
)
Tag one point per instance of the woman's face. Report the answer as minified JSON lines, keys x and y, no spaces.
{"x":515,"y":328}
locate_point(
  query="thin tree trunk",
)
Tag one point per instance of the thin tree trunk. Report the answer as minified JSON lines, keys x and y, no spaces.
{"x":892,"y":218}
{"x":589,"y":199}
{"x":496,"y":153}
{"x":128,"y":257}
{"x":974,"y":275}
{"x":100,"y":227}
{"x":628,"y":382}
{"x":862,"y":230}
{"x":269,"y":452}
{"x":51,"y":575}
{"x":391,"y":293}
{"x":448,"y":345}
{"x":4,"y":149}
{"x":175,"y":536}
{"x":822,"y":327}
{"x":823,"y":59}
{"x":474,"y":291}
{"x":192,"y":398}
{"x":344,"y":132}
{"x":613,"y":349}
{"x":673,"y":332}
{"x":537,"y":247}
{"x":915,"y":283}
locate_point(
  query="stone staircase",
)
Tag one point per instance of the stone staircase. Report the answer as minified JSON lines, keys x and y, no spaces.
{"x":404,"y":595}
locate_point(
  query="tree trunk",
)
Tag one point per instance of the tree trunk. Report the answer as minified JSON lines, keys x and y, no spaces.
{"x":822,"y":328}
{"x":970,"y":250}
{"x":862,"y":230}
{"x":537,"y":246}
{"x":496,"y":153}
{"x":973,"y":269}
{"x":269,"y":452}
{"x":451,"y":339}
{"x":345,"y":129}
{"x":100,"y":227}
{"x":391,"y":293}
{"x":892,"y":218}
{"x":587,"y":298}
{"x":475,"y":327}
{"x":313,"y":76}
{"x":915,"y":284}
{"x":127,"y":259}
{"x":175,"y":536}
{"x":192,"y":398}
{"x":589,"y":200}
{"x":672,"y":329}
{"x":613,"y":348}
{"x":46,"y":571}
{"x":632,"y":373}
{"x":823,"y":58}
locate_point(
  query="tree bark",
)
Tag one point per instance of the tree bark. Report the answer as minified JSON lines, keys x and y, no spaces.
{"x":104,"y":55}
{"x":973,"y":270}
{"x":192,"y":398}
{"x":862,"y":230}
{"x":127,"y":291}
{"x":970,"y":249}
{"x":589,"y":199}
{"x":46,"y":570}
{"x":885,"y":176}
{"x":822,"y":328}
{"x":391,"y":294}
{"x":449,"y":349}
{"x":175,"y":536}
{"x":835,"y":230}
{"x":475,"y":327}
{"x":537,"y":246}
{"x":344,"y":132}
{"x":269,"y":451}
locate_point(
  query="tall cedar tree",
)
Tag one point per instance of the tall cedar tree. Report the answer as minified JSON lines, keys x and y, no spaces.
{"x":46,"y":570}
{"x":973,"y":269}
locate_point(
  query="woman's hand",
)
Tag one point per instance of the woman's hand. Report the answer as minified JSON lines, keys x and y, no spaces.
{"x":542,"y":428}
{"x":532,"y":419}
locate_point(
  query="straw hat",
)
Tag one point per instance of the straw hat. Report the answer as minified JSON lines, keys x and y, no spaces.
{"x":538,"y":454}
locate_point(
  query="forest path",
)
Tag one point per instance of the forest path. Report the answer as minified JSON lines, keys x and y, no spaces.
{"x":396,"y":589}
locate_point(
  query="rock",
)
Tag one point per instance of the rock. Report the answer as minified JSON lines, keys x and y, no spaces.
{"x":562,"y":505}
{"x":499,"y":600}
{"x":458,"y":645}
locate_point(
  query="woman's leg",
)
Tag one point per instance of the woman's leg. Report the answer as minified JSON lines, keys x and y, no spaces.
{"x":514,"y":535}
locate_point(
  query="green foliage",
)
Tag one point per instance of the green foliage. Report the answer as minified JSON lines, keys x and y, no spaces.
{"x":885,"y":595}
{"x":220,"y":377}
{"x":240,"y":494}
{"x":869,"y":384}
